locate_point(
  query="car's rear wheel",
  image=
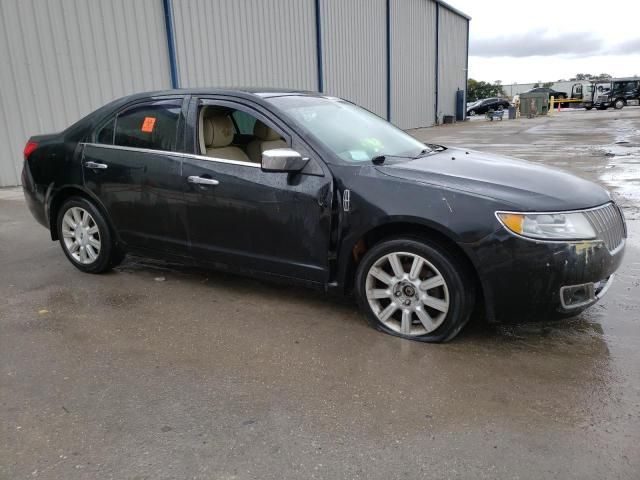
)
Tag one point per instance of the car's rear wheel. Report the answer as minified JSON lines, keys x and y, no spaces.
{"x":85,"y":236}
{"x":415,"y":289}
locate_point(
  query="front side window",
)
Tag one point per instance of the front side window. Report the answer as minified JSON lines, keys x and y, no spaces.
{"x":244,"y":122}
{"x":148,"y":126}
{"x":228,"y":134}
{"x":350,"y":132}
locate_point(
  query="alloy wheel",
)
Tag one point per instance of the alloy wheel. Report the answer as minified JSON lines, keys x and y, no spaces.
{"x":81,"y":235}
{"x":407,"y":293}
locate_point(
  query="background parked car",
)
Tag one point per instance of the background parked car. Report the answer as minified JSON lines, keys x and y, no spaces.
{"x":483,"y":106}
{"x":550,"y":91}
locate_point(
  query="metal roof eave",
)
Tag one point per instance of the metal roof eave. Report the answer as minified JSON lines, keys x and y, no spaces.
{"x":453,"y":9}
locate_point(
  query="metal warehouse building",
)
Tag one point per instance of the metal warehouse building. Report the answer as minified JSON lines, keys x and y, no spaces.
{"x":60,"y":59}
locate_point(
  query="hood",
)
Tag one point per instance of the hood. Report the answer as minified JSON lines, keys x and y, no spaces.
{"x":524,"y":185}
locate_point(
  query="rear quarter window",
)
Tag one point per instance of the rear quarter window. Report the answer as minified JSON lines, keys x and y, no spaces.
{"x":104,"y":133}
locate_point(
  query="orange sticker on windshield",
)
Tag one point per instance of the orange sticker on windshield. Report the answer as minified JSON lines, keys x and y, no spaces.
{"x":148,"y":124}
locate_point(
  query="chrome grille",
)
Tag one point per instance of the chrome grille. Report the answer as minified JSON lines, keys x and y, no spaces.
{"x":608,"y":224}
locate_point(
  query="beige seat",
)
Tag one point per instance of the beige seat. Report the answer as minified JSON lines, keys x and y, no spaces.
{"x":216,"y":137}
{"x":265,"y":139}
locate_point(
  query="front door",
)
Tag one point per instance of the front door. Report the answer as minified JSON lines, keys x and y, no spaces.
{"x":248,"y":219}
{"x":132,"y":167}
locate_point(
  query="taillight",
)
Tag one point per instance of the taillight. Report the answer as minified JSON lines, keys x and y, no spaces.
{"x":29,"y":148}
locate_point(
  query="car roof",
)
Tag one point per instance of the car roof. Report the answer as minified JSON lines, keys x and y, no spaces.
{"x":256,"y":93}
{"x":263,"y":92}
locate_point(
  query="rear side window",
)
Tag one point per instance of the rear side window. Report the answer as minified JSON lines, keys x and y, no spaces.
{"x":148,"y":126}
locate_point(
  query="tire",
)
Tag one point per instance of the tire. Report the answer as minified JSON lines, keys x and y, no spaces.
{"x":91,"y":249}
{"x":471,"y":113}
{"x":588,"y":108}
{"x":618,"y":104}
{"x":500,"y":108}
{"x":448,"y":300}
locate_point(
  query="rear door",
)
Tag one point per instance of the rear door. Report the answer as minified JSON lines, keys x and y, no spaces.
{"x":133,"y":166}
{"x":253,"y":220}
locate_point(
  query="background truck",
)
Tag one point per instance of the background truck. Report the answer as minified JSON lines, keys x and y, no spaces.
{"x":583,"y":91}
{"x":617,"y":93}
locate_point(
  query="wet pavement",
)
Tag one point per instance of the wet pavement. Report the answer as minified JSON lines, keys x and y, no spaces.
{"x":154,"y":372}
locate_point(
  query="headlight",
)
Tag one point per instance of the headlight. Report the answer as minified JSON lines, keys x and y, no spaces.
{"x":548,"y":226}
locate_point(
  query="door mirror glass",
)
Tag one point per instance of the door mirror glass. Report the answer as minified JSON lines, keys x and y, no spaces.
{"x":282,"y":160}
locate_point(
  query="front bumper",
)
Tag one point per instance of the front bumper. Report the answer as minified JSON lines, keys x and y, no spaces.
{"x":530,"y":280}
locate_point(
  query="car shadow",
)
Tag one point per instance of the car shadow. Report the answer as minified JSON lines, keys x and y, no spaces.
{"x":542,"y":332}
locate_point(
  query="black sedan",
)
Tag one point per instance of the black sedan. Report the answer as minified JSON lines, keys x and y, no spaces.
{"x":483,"y":106}
{"x":312,"y":189}
{"x":552,"y":93}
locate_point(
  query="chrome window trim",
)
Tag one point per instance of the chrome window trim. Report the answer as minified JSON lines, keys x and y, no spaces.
{"x":566,"y":241}
{"x":174,"y":154}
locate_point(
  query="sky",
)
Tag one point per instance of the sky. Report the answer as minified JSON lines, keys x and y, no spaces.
{"x":546,"y":40}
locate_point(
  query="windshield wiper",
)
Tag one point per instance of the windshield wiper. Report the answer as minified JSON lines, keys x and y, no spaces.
{"x":436,"y":148}
{"x":378,"y":159}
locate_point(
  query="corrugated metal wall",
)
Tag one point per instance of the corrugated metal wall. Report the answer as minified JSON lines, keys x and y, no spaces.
{"x":61,"y":59}
{"x":354,"y":51}
{"x":246,"y":43}
{"x":452,"y":60}
{"x":413,"y":67}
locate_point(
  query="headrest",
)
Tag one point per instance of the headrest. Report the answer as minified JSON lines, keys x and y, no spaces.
{"x":207,"y":131}
{"x":217,"y":131}
{"x":263,"y":132}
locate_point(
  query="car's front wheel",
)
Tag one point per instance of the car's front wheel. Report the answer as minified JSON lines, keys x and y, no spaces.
{"x":85,"y":236}
{"x":415,"y":289}
{"x":472,"y":113}
{"x":618,"y":104}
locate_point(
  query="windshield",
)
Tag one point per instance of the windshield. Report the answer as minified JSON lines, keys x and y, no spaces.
{"x":352,"y":133}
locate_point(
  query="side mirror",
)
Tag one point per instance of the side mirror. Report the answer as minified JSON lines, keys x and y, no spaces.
{"x":283,"y":160}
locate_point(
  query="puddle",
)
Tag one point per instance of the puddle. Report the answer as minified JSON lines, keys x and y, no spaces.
{"x":622,"y":172}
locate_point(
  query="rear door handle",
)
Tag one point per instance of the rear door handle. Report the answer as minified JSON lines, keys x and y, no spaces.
{"x":95,"y":165}
{"x":202,"y":180}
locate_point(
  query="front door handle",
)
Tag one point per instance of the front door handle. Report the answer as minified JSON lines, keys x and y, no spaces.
{"x":202,"y":180}
{"x":95,"y":165}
